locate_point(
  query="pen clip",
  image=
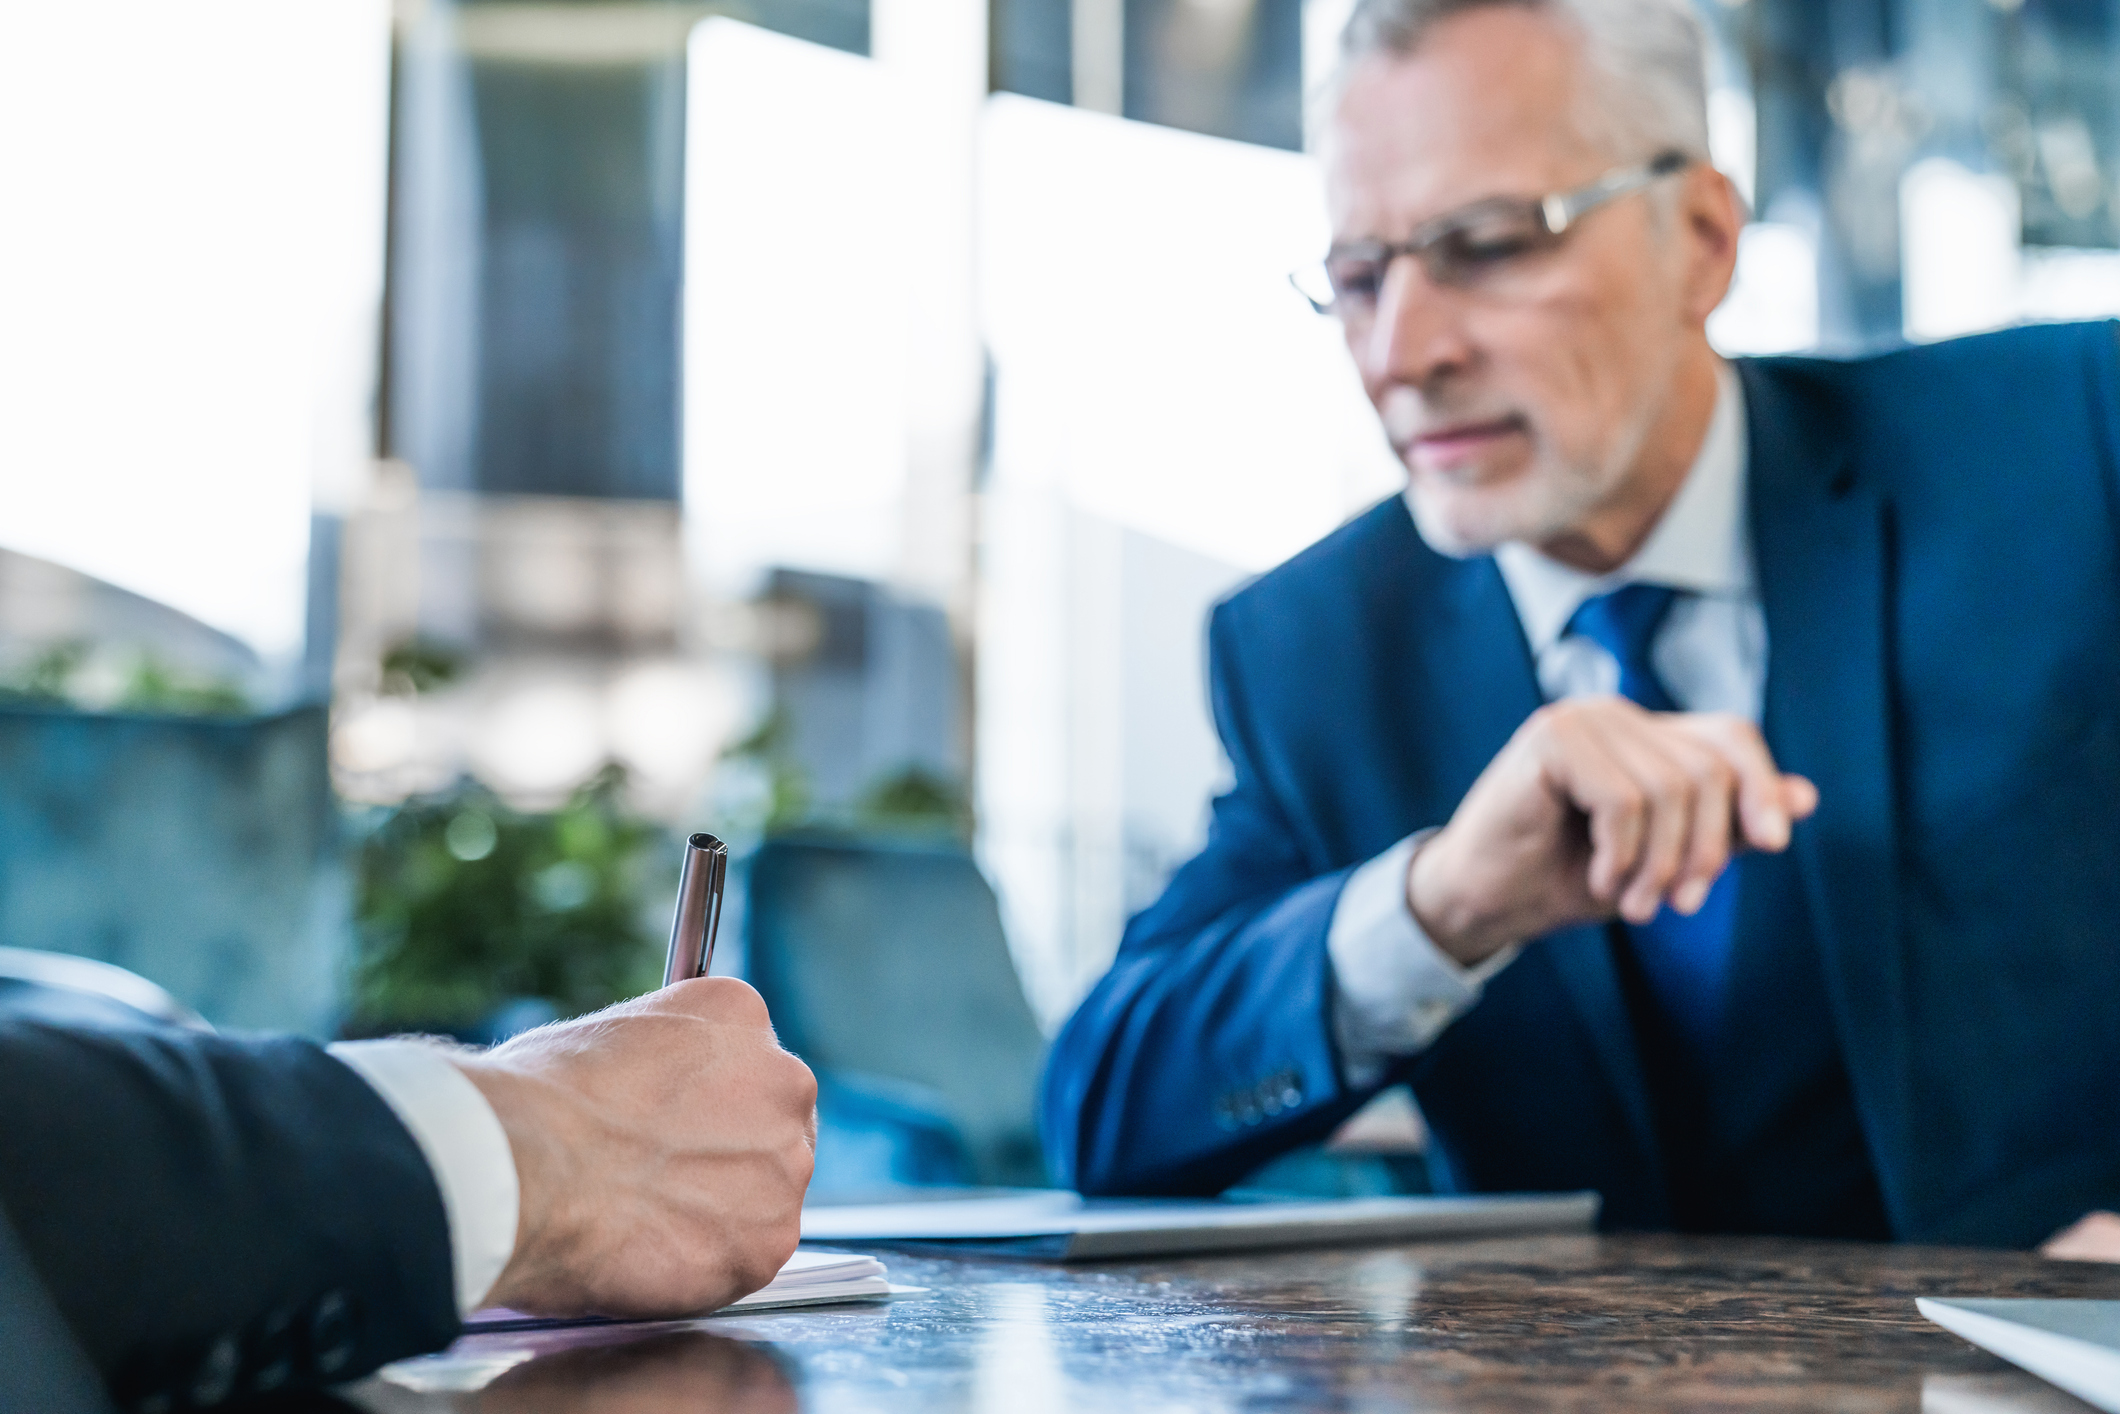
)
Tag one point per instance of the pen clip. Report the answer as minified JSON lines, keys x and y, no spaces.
{"x":720,"y":860}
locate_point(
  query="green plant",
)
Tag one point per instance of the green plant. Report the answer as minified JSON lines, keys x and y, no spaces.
{"x":787,"y":786}
{"x":154,"y":686}
{"x":43,"y":681}
{"x":420,"y":665}
{"x":463,"y":903}
{"x":914,"y":800}
{"x":115,"y":678}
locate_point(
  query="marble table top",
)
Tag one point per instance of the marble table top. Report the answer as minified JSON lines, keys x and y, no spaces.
{"x":1637,"y":1322}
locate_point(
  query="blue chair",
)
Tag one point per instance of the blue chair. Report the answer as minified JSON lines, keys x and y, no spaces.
{"x":886,"y":969}
{"x":203,"y":852}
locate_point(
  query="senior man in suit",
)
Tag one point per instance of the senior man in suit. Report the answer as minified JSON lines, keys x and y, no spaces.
{"x":203,"y":1218}
{"x":1703,"y":786}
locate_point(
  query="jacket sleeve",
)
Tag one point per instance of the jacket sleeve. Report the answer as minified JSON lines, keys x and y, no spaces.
{"x":1206,"y":1049}
{"x":216,"y":1217}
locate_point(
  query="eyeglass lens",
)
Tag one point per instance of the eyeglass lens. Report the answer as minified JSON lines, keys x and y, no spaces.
{"x":1467,"y":251}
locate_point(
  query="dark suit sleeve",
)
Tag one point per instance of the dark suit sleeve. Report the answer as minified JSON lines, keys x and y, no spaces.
{"x":217,"y":1216}
{"x":1206,"y":1049}
{"x":41,"y":1365}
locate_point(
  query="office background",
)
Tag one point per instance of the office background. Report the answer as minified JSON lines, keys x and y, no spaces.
{"x":451,"y":450}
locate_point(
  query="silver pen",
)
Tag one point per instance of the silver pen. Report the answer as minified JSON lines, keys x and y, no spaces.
{"x":698,"y":918}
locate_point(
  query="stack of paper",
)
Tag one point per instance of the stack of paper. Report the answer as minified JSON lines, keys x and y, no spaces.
{"x":815,"y":1278}
{"x":808,"y":1279}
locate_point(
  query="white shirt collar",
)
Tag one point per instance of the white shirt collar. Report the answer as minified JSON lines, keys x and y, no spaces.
{"x":1703,"y":542}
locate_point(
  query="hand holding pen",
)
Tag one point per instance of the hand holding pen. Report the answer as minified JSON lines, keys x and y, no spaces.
{"x":662,"y":1145}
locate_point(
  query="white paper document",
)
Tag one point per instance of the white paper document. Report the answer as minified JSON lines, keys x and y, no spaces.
{"x":1070,"y":1227}
{"x":816,"y":1278}
{"x":808,"y":1279}
{"x":2073,"y":1344}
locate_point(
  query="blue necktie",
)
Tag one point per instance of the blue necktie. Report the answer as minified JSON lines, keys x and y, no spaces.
{"x":1685,"y":961}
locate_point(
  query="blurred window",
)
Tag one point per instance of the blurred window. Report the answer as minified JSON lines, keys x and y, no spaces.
{"x":191,"y":266}
{"x":1226,"y":68}
{"x":538,"y":242}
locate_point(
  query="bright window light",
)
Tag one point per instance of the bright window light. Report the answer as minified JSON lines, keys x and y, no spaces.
{"x":797,"y":308}
{"x":1959,"y":234}
{"x":2060,"y":283}
{"x":1169,"y":417}
{"x":1772,"y":307}
{"x":1153,"y":361}
{"x":190,"y":274}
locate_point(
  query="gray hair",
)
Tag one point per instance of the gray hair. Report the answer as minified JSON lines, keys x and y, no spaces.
{"x":1649,"y":59}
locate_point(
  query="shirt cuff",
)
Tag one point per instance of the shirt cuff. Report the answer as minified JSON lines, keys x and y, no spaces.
{"x":464,"y":1145}
{"x":1394,"y":991}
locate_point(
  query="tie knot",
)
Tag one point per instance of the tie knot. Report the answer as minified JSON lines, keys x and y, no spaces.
{"x":1624,"y":624}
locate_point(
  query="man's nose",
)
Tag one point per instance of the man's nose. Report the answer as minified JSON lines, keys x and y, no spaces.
{"x":1418,"y":333}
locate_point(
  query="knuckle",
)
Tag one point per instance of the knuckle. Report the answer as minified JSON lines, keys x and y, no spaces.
{"x":1742,"y":728}
{"x":801,"y":1164}
{"x":804,"y":1081}
{"x":730,"y":1000}
{"x":1549,"y":720}
{"x":1629,"y":798}
{"x":1671,"y":781}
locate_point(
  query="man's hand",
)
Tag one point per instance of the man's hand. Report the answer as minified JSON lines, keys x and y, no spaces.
{"x":1599,"y":808}
{"x":662,"y":1147}
{"x":2094,"y":1237}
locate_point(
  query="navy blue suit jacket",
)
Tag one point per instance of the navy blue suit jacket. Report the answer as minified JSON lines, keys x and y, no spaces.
{"x":211,"y":1217}
{"x":1936,"y":533}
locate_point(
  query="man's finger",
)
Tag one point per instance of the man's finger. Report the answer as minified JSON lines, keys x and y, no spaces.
{"x":1708,"y":841}
{"x":1672,"y":796}
{"x":2094,"y":1237}
{"x":727,"y":1000}
{"x":1764,"y":810}
{"x":1578,"y":763}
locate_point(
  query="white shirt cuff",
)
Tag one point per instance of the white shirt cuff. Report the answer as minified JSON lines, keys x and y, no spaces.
{"x":1394,"y":991}
{"x":463,"y":1143}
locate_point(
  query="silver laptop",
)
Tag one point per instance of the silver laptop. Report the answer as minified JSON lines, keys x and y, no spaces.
{"x":2073,"y":1344}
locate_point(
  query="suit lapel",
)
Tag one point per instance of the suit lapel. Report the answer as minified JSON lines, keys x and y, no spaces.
{"x":1476,"y":668}
{"x":1822,"y":542}
{"x":1484,"y":684}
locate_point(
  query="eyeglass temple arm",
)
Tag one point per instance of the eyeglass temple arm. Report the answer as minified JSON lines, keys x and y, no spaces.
{"x":1564,"y":209}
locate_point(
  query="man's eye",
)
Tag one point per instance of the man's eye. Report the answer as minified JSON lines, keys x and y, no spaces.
{"x":1356,"y":281}
{"x":1475,"y":246}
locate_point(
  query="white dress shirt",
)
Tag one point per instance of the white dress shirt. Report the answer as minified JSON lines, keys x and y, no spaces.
{"x":462,"y":1141}
{"x":1395,"y":991}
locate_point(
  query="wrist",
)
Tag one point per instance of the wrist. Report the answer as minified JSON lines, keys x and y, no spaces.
{"x":512,"y":1097}
{"x":1441,"y":912}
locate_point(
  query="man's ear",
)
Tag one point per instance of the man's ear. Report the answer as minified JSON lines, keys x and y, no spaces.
{"x":1710,"y":215}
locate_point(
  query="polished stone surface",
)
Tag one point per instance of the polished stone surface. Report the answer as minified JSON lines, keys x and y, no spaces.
{"x":1575,"y":1323}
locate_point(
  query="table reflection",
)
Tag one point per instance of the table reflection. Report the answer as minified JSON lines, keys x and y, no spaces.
{"x":662,"y":1371}
{"x":2011,"y":1392}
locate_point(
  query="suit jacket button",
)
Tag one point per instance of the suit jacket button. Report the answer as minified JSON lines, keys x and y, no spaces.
{"x":331,"y":1334}
{"x":216,"y":1379}
{"x":273,"y":1356}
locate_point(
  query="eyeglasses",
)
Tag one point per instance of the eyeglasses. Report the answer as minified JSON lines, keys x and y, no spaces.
{"x":1468,"y":247}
